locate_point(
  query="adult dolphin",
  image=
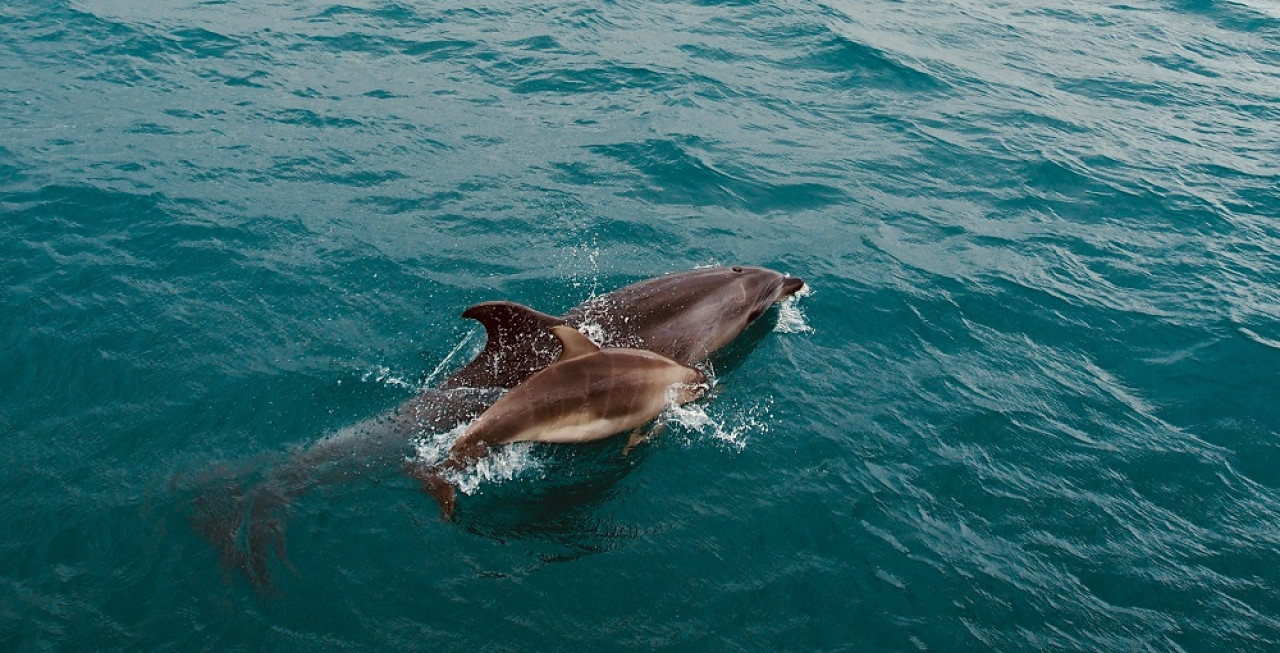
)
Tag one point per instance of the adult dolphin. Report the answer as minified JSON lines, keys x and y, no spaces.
{"x":684,"y":316}
{"x":587,"y":394}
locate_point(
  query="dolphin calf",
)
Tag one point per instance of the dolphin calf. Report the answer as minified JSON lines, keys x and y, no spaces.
{"x":587,"y":394}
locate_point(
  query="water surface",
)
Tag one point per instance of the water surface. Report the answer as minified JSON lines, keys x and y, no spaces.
{"x":1030,"y":403}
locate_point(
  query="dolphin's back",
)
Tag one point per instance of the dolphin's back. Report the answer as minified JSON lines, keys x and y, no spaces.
{"x":684,"y":316}
{"x":583,"y":399}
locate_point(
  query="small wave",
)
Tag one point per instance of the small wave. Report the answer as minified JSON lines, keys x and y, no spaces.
{"x":681,"y":171}
{"x":790,"y":318}
{"x":1253,"y":335}
{"x":384,"y":375}
{"x":1269,"y":7}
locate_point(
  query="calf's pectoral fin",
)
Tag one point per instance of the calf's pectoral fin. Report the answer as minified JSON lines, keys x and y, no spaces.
{"x":434,"y":483}
{"x":640,"y":435}
{"x":443,"y":492}
{"x":464,"y":454}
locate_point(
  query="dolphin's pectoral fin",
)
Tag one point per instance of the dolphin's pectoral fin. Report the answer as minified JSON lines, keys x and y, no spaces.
{"x":637,"y":436}
{"x":517,"y":344}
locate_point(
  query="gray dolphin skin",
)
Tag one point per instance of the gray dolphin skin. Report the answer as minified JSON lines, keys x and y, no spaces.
{"x":684,"y":316}
{"x":588,"y":394}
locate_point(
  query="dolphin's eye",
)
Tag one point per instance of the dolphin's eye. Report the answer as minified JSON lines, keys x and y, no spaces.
{"x":737,"y":268}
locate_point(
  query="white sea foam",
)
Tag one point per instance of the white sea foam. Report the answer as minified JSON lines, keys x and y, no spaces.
{"x":431,"y":449}
{"x":595,"y":332}
{"x":790,"y":318}
{"x":502,"y":464}
{"x":733,"y":430}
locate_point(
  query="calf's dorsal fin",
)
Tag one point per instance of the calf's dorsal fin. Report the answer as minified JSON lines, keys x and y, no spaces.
{"x":574,"y":343}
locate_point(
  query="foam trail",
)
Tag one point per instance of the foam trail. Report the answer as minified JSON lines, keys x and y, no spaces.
{"x":501,"y":465}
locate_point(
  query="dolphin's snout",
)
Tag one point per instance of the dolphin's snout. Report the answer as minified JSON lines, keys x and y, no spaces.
{"x":791,"y":286}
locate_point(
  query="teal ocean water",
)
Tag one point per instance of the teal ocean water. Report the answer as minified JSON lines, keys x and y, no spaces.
{"x":1029,"y":403}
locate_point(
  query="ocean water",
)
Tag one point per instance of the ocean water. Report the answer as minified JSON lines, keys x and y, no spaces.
{"x":1030,"y":401}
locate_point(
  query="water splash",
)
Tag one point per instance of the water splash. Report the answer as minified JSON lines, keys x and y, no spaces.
{"x":585,"y":260}
{"x":790,"y":318}
{"x":386,"y":376}
{"x":595,"y":332}
{"x":733,"y":429}
{"x":448,"y":359}
{"x":502,"y":464}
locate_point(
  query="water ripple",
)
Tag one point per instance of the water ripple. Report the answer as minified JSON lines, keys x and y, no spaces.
{"x":1031,"y":406}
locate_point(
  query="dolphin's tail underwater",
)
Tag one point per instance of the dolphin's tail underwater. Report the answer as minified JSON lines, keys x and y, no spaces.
{"x":242,"y":511}
{"x":245,"y":526}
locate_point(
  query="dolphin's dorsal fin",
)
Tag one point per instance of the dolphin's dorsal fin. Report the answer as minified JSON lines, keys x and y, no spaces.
{"x":498,"y":317}
{"x":575,"y":344}
{"x":515,"y":346}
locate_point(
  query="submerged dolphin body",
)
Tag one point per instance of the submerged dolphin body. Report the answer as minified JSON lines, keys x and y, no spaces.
{"x":683,"y":316}
{"x":588,"y":394}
